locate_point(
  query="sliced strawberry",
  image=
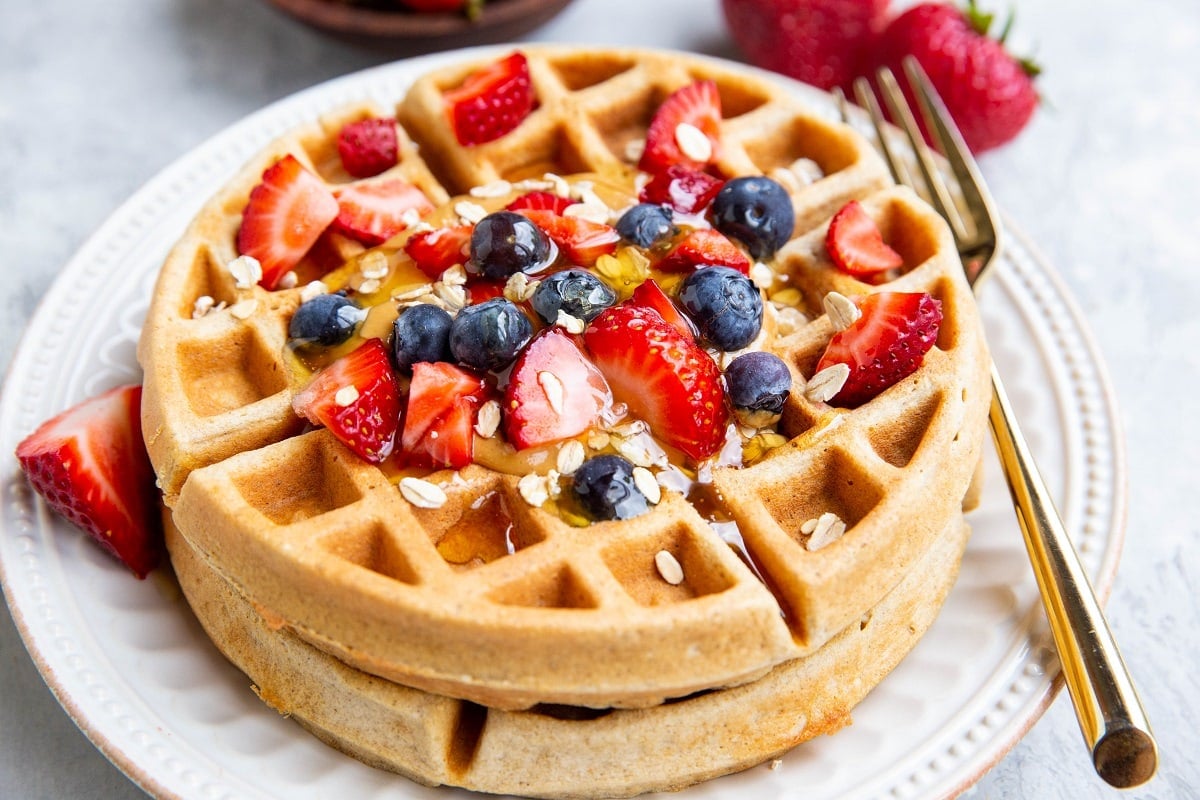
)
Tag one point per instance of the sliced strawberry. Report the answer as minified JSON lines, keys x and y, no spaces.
{"x":90,"y":465}
{"x":704,"y":247}
{"x":372,"y":213}
{"x":664,"y":377}
{"x":480,"y":289}
{"x":684,"y":189}
{"x":856,"y":245}
{"x":287,"y":212}
{"x":543,"y":201}
{"x":492,"y":101}
{"x":886,"y":345}
{"x":369,"y":146}
{"x":580,"y":241}
{"x":649,"y":294}
{"x":554,"y":392}
{"x":697,"y":104}
{"x":440,"y":249}
{"x":440,"y":414}
{"x":357,"y":398}
{"x":450,"y":442}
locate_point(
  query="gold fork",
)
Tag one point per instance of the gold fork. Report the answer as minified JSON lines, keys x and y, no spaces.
{"x":1111,"y":717}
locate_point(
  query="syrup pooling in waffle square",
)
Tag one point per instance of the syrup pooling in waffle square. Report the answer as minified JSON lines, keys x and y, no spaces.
{"x":474,"y":565}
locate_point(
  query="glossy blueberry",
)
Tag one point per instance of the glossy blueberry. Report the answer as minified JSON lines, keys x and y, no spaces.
{"x":758,"y":383}
{"x":724,"y":304}
{"x":421,"y":333}
{"x":756,"y":211}
{"x":645,"y":223}
{"x":327,"y":319}
{"x":605,"y":487}
{"x":489,"y":335}
{"x":504,"y":243}
{"x":575,"y":291}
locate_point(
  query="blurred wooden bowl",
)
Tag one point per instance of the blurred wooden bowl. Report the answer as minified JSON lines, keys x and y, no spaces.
{"x":500,"y":20}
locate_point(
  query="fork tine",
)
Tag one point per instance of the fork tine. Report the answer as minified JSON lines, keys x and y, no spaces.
{"x":954,"y":148}
{"x":939,"y":193}
{"x":865,"y":97}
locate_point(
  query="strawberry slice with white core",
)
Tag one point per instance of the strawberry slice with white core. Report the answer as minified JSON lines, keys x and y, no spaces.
{"x":287,"y":212}
{"x":665,"y":378}
{"x":705,"y":247}
{"x":650,"y":295}
{"x":90,"y":465}
{"x":885,"y":345}
{"x":440,"y":415}
{"x":438,"y":250}
{"x":580,"y":241}
{"x":372,"y":213}
{"x":855,"y":243}
{"x":357,"y":398}
{"x":554,"y":392}
{"x":686,"y":129}
{"x":491,"y":101}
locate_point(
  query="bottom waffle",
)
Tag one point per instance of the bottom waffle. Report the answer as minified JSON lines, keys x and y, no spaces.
{"x":564,"y":751}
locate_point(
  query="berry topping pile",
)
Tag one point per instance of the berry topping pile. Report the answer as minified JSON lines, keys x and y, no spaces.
{"x":594,"y":337}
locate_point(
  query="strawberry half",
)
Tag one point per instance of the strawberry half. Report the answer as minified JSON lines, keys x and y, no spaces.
{"x":553,"y":393}
{"x":885,"y":345}
{"x":369,"y":146}
{"x":287,"y":212}
{"x":440,"y":415}
{"x":357,"y":398}
{"x":372,"y":213}
{"x":697,"y":104}
{"x":856,"y":245}
{"x":684,"y":189}
{"x":704,"y":247}
{"x":579,"y":240}
{"x":664,"y":377}
{"x":540,"y":201}
{"x":90,"y":465}
{"x":649,"y":294}
{"x":491,"y":102}
{"x":438,"y":250}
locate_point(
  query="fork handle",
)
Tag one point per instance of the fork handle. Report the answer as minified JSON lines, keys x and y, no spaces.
{"x":1111,"y":717}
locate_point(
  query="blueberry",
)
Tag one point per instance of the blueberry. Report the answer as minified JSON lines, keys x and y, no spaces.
{"x":327,"y":319}
{"x":577,"y":292}
{"x":605,"y":487}
{"x":758,"y":384}
{"x":489,"y":335}
{"x":421,"y":333}
{"x":724,"y":304}
{"x":504,"y":243}
{"x":757,"y":211}
{"x":645,"y":224}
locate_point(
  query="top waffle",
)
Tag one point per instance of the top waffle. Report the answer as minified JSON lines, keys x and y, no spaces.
{"x":476,"y":582}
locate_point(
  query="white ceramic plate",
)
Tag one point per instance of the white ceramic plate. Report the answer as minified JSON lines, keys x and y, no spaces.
{"x":133,"y":669}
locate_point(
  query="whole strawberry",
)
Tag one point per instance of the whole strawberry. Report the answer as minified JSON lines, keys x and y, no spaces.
{"x":989,"y":93}
{"x":823,"y":42}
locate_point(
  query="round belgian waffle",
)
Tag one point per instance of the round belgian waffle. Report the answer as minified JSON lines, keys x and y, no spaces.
{"x":324,"y":546}
{"x":560,"y":751}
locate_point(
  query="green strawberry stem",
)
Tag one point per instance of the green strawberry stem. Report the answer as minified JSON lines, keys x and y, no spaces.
{"x":981,"y":22}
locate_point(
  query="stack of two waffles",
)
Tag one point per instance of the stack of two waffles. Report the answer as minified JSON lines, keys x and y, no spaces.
{"x":488,"y":640}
